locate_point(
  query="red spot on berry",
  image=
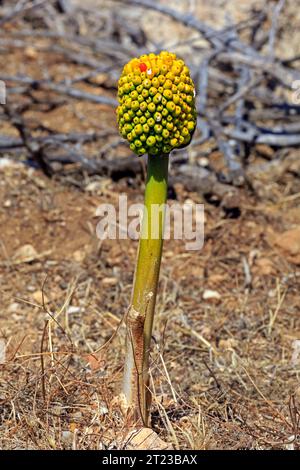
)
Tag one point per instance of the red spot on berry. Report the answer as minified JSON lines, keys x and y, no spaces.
{"x":143,"y":67}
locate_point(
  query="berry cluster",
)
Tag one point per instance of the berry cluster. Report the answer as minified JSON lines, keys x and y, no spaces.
{"x":156,"y":113}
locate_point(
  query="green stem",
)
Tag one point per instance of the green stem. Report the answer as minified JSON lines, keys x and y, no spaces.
{"x":141,"y":312}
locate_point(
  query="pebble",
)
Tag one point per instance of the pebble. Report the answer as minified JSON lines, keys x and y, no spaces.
{"x":211,"y":294}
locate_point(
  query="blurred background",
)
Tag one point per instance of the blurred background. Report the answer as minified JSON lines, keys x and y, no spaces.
{"x":225,"y":362}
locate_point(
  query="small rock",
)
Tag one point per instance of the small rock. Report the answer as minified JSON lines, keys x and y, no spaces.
{"x":109,"y":281}
{"x":30,"y":53}
{"x":8,"y":163}
{"x":93,"y":186}
{"x":229,"y":343}
{"x":25,"y":254}
{"x":30,"y":288}
{"x":39,"y":298}
{"x":203,"y":161}
{"x":211,"y":295}
{"x":264,"y":266}
{"x":103,"y":410}
{"x":73,"y":309}
{"x":97,"y":186}
{"x":289,"y":243}
{"x":40,"y":183}
{"x":67,"y":437}
{"x":146,"y":439}
{"x":13,"y":307}
{"x":216,"y":278}
{"x":79,"y":256}
{"x":99,"y":79}
{"x":265,"y":150}
{"x":77,"y":415}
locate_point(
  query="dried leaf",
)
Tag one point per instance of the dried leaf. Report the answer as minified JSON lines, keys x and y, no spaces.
{"x":95,"y":362}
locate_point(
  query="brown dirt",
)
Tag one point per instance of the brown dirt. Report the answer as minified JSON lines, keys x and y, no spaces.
{"x":229,"y":359}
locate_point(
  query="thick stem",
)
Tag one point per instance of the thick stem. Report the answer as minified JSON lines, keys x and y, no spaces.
{"x":141,"y":312}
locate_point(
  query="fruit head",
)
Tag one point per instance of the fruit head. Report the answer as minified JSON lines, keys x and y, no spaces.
{"x":156,"y":111}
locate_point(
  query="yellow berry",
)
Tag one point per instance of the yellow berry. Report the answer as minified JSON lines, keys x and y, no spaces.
{"x":155,"y":82}
{"x":134,"y":95}
{"x":138,"y":129}
{"x":138,"y":143}
{"x":151,"y":107}
{"x":168,"y":84}
{"x":191,"y":126}
{"x":135,"y":105}
{"x":147,"y":83}
{"x":136,"y":80}
{"x":157,"y":98}
{"x":170,"y":106}
{"x":168,"y":94}
{"x":151,"y":141}
{"x":152,"y":91}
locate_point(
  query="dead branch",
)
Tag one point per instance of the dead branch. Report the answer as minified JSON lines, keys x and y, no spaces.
{"x":46,"y":85}
{"x":239,"y":84}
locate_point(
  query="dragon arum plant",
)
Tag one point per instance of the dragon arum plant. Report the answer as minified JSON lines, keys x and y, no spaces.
{"x":156,"y":114}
